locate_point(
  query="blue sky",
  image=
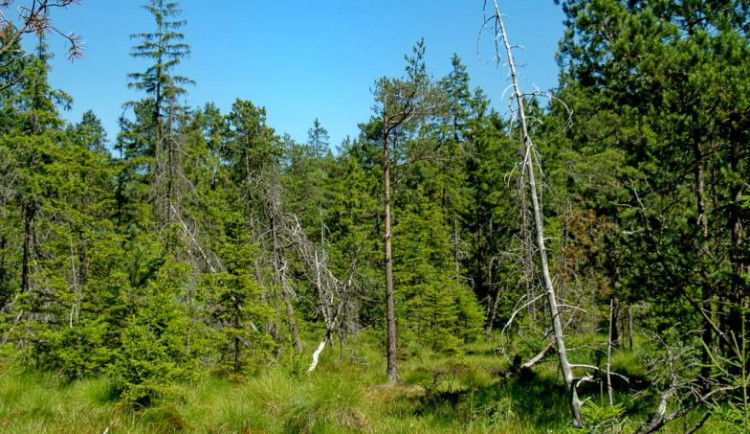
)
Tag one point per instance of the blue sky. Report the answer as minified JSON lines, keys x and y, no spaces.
{"x":300,"y":59}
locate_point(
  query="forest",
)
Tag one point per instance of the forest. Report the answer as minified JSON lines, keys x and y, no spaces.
{"x":581,"y":264}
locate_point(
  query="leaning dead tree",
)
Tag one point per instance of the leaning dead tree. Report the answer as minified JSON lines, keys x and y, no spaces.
{"x":681,"y":391}
{"x":274,"y":210}
{"x":290,"y":245}
{"x":334,"y":295}
{"x":530,"y":165}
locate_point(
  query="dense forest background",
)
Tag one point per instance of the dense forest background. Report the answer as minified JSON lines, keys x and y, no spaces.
{"x":199,"y":244}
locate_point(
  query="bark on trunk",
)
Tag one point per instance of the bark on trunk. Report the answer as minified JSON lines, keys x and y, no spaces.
{"x":738,"y":302}
{"x":610,"y":344}
{"x":702,"y":222}
{"x":630,"y":328}
{"x":279,"y":264}
{"x":390,"y":308}
{"x":28,"y":223}
{"x":614,"y":332}
{"x":575,"y":404}
{"x":456,"y":249}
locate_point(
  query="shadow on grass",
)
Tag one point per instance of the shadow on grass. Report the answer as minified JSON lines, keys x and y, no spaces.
{"x":520,"y":399}
{"x":510,"y":398}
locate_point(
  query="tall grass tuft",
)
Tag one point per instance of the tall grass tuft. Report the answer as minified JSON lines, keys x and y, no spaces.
{"x":472,"y":392}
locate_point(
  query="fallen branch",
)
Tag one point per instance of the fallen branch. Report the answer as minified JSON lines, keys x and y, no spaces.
{"x":542,"y":354}
{"x":539,"y":357}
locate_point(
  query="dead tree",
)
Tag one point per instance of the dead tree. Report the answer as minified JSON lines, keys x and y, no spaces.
{"x":530,"y":165}
{"x":290,"y":244}
{"x":274,"y":210}
{"x":681,"y":391}
{"x":334,"y":295}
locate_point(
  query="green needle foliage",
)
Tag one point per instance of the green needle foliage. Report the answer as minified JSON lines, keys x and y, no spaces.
{"x":181,"y":276}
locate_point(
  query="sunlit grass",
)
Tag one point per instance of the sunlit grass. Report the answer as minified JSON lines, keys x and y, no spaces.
{"x":468,"y":393}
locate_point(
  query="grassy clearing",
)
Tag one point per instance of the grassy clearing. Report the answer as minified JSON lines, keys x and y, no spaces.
{"x":469,"y":393}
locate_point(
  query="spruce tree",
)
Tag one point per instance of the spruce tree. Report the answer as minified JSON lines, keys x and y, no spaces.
{"x":90,"y":133}
{"x":154,"y":134}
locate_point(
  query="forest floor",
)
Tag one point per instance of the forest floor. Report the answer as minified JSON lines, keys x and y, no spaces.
{"x":474,"y":392}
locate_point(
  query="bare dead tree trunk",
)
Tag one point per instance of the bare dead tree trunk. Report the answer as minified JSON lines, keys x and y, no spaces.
{"x":318,"y":351}
{"x":390,"y":306}
{"x":333,"y":294}
{"x":325,"y":308}
{"x":28,"y":222}
{"x":280,"y":265}
{"x":293,"y":328}
{"x":610,"y":344}
{"x":456,"y":249}
{"x":529,"y":158}
{"x":266,"y":296}
{"x":527,"y":246}
{"x":630,"y":328}
{"x":550,"y":345}
{"x":702,"y":222}
{"x":274,"y":211}
{"x":75,"y":307}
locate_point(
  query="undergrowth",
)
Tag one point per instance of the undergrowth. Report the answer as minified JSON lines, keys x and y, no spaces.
{"x":474,"y":392}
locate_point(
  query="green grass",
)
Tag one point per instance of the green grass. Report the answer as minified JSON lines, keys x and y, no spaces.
{"x":468,"y":393}
{"x":38,"y":403}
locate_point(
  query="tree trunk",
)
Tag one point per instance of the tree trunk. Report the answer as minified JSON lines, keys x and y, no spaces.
{"x":702,"y":222}
{"x":575,"y":404}
{"x":630,"y":328}
{"x":318,"y":351}
{"x":237,"y":349}
{"x":610,"y":344}
{"x":286,"y":296}
{"x":279,"y":264}
{"x":456,"y":249}
{"x":4,"y":291}
{"x":28,"y":222}
{"x":738,"y":296}
{"x":614,"y":332}
{"x":390,"y":308}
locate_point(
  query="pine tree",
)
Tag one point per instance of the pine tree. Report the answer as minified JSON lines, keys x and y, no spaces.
{"x":662,"y":115}
{"x":401,"y":104}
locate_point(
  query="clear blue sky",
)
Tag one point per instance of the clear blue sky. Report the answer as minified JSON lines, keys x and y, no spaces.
{"x":300,"y":59}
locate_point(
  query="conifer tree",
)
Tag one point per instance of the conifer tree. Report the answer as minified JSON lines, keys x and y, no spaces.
{"x":657,"y":89}
{"x":90,"y":133}
{"x":305,"y":170}
{"x":154,"y":135}
{"x":402,"y":103}
{"x":58,"y":187}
